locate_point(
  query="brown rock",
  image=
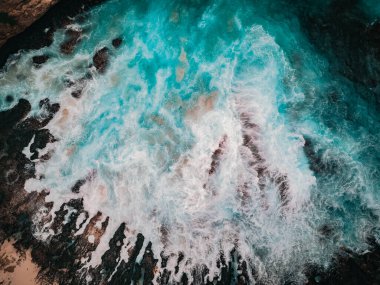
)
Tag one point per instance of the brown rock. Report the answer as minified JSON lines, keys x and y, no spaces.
{"x":39,"y":59}
{"x":77,"y":93}
{"x":17,"y":15}
{"x":100,"y":59}
{"x":117,"y":42}
{"x":72,"y":38}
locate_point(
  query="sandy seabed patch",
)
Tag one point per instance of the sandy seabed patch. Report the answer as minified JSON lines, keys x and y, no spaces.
{"x":16,"y":268}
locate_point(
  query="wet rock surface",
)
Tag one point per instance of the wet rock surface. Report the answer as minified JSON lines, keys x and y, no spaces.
{"x":38,"y":60}
{"x":72,"y":38}
{"x":117,"y":42}
{"x":100,"y":59}
{"x":17,"y":15}
{"x":59,"y":260}
{"x":344,"y":33}
{"x":39,"y":30}
{"x":350,"y":268}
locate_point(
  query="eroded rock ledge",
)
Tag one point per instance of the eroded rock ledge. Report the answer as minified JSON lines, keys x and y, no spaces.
{"x":30,"y":24}
{"x":17,"y":15}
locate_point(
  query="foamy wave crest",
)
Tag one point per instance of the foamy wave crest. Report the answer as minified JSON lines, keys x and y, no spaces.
{"x":200,"y":181}
{"x":186,"y":140}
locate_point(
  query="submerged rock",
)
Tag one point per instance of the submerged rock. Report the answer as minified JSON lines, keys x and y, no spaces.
{"x":78,"y":185}
{"x":76,"y":93}
{"x":344,"y":33}
{"x":349,"y":268}
{"x":30,"y":24}
{"x":117,"y":42}
{"x":9,"y":99}
{"x":72,"y":38}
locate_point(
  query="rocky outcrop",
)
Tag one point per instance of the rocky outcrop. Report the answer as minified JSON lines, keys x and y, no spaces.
{"x":17,"y":15}
{"x":34,"y":27}
{"x":345,"y":34}
{"x":100,"y":59}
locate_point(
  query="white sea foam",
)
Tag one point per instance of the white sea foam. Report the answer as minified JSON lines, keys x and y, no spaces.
{"x":142,"y":178}
{"x":147,"y":140}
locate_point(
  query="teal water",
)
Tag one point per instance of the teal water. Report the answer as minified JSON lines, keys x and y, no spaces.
{"x":186,"y":77}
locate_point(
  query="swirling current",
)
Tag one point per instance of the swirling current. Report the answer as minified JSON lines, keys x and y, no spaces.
{"x":208,"y":127}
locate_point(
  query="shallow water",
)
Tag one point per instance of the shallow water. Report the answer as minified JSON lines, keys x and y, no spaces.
{"x":217,"y":125}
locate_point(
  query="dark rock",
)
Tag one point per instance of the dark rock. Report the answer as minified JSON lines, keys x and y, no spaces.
{"x":84,"y":247}
{"x":18,"y":139}
{"x":41,"y":139}
{"x":283,"y":186}
{"x":126,"y":271}
{"x":111,"y":257}
{"x":77,"y":93}
{"x":343,"y":32}
{"x":72,"y":38}
{"x":326,"y":230}
{"x":78,"y":185}
{"x":316,"y":162}
{"x":40,"y":33}
{"x":243,"y":268}
{"x":148,"y":264}
{"x":164,"y":277}
{"x":100,"y":59}
{"x":373,"y":34}
{"x":184,"y":279}
{"x":179,"y":260}
{"x":11,"y":177}
{"x":51,"y":108}
{"x":137,"y":274}
{"x":349,"y":268}
{"x":216,"y":156}
{"x":81,"y":182}
{"x":59,"y":218}
{"x":9,"y":99}
{"x":35,"y":123}
{"x":11,"y":117}
{"x":79,"y":86}
{"x":39,"y":59}
{"x":117,"y":42}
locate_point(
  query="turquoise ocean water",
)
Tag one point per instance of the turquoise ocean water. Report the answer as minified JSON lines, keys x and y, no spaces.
{"x":296,"y":176}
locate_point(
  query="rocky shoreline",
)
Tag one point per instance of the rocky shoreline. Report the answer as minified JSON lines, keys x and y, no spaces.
{"x":58,"y":260}
{"x":17,"y":15}
{"x":38,"y":33}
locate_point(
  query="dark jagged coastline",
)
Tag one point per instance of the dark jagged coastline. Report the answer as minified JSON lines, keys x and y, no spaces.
{"x":58,"y":260}
{"x":16,"y":15}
